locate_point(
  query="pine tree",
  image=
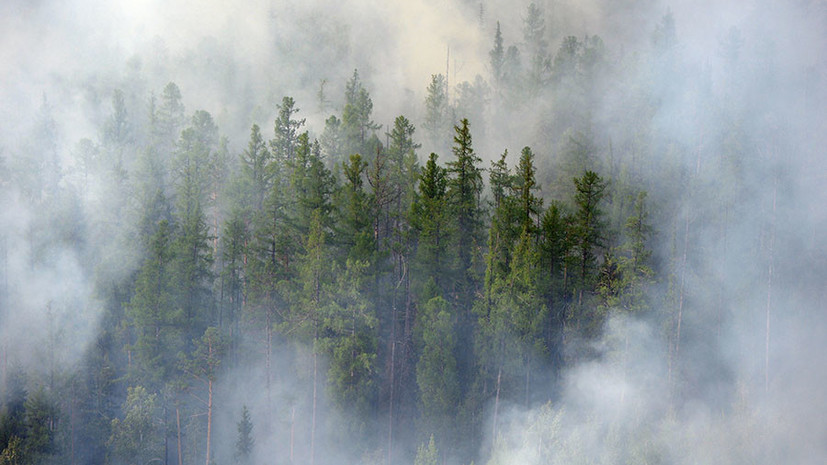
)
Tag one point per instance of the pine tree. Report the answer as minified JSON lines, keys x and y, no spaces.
{"x":427,"y":455}
{"x":255,"y":166}
{"x":137,"y":438}
{"x":539,"y":61}
{"x":245,"y":443}
{"x":311,"y":185}
{"x":464,"y":190}
{"x":436,"y":370}
{"x":355,"y":227}
{"x":286,"y":129}
{"x":203,"y":366}
{"x":437,"y":118}
{"x":529,"y":205}
{"x":357,"y":125}
{"x":349,"y":340}
{"x":429,"y":217}
{"x":152,"y":314}
{"x":497,"y":59}
{"x":555,"y":257}
{"x":502,"y":231}
{"x":589,"y":238}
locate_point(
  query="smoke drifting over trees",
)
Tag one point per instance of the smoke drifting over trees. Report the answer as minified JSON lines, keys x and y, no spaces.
{"x":412,"y":232}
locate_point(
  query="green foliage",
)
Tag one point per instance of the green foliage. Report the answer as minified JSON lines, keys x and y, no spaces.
{"x":427,"y":455}
{"x":286,"y":130}
{"x":256,"y":170}
{"x":152,"y":313}
{"x":430,"y":220}
{"x":626,"y":273}
{"x":525,"y":185}
{"x":357,"y":125}
{"x":245,"y":443}
{"x":355,"y":230}
{"x":536,"y":49}
{"x":13,"y":453}
{"x":588,"y":234}
{"x":463,"y":194}
{"x":42,"y":416}
{"x":497,"y":58}
{"x":205,"y":360}
{"x":436,"y":369}
{"x":136,"y":439}
{"x":348,"y":336}
{"x":437,"y":119}
{"x":311,"y":185}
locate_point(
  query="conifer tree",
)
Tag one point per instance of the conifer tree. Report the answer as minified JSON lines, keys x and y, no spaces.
{"x":529,"y":205}
{"x":497,"y":59}
{"x":152,"y":313}
{"x":357,"y":125}
{"x":286,"y":130}
{"x":430,"y":219}
{"x":255,"y":166}
{"x":436,"y":370}
{"x":589,"y":238}
{"x":437,"y":118}
{"x":245,"y":442}
{"x":555,"y":257}
{"x":464,"y":190}
{"x":355,"y":227}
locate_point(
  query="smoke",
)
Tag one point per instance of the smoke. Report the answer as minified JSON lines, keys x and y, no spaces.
{"x":748,"y":71}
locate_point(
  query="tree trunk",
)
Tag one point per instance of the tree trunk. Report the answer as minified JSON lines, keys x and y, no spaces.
{"x":178,"y":421}
{"x":496,"y":407}
{"x":528,"y":382}
{"x":267,"y":361}
{"x":292,"y":431}
{"x":313,"y":415}
{"x":209,"y":418}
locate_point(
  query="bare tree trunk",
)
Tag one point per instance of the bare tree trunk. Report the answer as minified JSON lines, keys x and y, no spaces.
{"x":292,"y":430}
{"x":313,"y":415}
{"x":392,"y":381}
{"x":178,"y":421}
{"x":528,"y":382}
{"x":209,"y":418}
{"x":496,"y":407}
{"x":268,"y":361}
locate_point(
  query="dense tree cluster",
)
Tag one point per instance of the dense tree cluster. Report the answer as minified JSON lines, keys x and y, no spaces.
{"x":414,"y":293}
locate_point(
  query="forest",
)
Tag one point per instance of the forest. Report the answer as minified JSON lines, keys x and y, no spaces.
{"x":579,"y":232}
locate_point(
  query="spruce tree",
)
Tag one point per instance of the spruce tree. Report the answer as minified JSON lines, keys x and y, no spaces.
{"x":436,"y":370}
{"x":589,"y":238}
{"x":245,"y":442}
{"x":430,"y":220}
{"x":286,"y":130}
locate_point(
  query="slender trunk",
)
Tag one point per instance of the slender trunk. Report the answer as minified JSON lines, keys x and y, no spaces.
{"x":528,"y":383}
{"x":292,"y":431}
{"x":166,"y":437}
{"x":214,"y":198}
{"x":178,"y":422}
{"x":209,"y":418}
{"x":267,"y":360}
{"x":496,"y":407}
{"x":682,"y":291}
{"x":392,"y":381}
{"x":72,"y":426}
{"x":313,"y":414}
